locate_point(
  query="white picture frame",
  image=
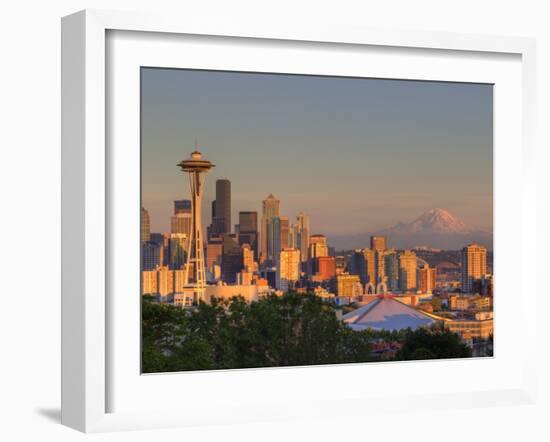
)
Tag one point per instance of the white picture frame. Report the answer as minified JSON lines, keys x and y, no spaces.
{"x":87,"y":205}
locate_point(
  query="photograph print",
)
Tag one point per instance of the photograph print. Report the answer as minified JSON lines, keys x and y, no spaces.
{"x":302,"y":220}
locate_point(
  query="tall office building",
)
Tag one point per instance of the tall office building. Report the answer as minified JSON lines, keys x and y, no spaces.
{"x":221,"y":210}
{"x":407,"y":271}
{"x":248,"y":230}
{"x":318,"y":246}
{"x":370,"y":274}
{"x":474,"y":267}
{"x":248,"y":258}
{"x":182,"y":206}
{"x":284,"y":229}
{"x":178,"y":250}
{"x":426,"y":279}
{"x":223,"y":205}
{"x":378,"y":243}
{"x":391,"y":267}
{"x":270,"y":210}
{"x":214,"y":254}
{"x":152,"y":255}
{"x":324,"y":268}
{"x":299,"y":236}
{"x":346,"y":284}
{"x":288,"y":269}
{"x":274,"y":237}
{"x":181,"y":221}
{"x":145,"y":226}
{"x":232,"y":258}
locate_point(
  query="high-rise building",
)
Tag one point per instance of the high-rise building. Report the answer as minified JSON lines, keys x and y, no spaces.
{"x":182,"y":206}
{"x":232,"y":258}
{"x":181,"y":221}
{"x":152,"y":255}
{"x":426,"y":279}
{"x":223,"y":205}
{"x":195,"y":166}
{"x":391,"y":267}
{"x":288,"y":269}
{"x":474,"y":267}
{"x":378,"y":243}
{"x":284,"y":231}
{"x":274,"y":238}
{"x":145,"y":225}
{"x":178,"y":250}
{"x":248,"y":258}
{"x":318,"y":246}
{"x":248,"y":230}
{"x":380,"y":264}
{"x":407,"y":271}
{"x":346,"y":284}
{"x":270,"y":210}
{"x":324,"y":268}
{"x":370,"y":274}
{"x":213,"y":253}
{"x":299,"y":236}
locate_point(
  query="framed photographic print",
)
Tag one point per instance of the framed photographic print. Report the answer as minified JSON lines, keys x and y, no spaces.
{"x":249,"y":212}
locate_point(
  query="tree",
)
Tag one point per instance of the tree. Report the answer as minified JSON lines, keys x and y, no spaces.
{"x":436,"y":343}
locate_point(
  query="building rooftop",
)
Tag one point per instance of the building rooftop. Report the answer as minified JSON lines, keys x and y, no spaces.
{"x":387,"y":313}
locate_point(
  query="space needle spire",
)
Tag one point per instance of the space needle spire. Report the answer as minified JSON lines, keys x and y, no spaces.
{"x":197,"y":168}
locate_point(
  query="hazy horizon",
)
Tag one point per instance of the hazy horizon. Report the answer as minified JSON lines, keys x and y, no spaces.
{"x":356,"y":155}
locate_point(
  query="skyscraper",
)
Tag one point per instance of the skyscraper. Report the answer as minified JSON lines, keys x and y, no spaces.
{"x":196,"y":167}
{"x":152,"y":255}
{"x":181,"y":221}
{"x":378,"y":243}
{"x":474,"y":267}
{"x":248,"y":258}
{"x":407,"y":271}
{"x":391,"y":267}
{"x":178,"y":250}
{"x":288,"y":269}
{"x":232,"y":258}
{"x":223,"y":205}
{"x":318,"y":246}
{"x":182,"y":206}
{"x":270,"y":210}
{"x":145,"y":226}
{"x":426,"y":279}
{"x":370,"y":274}
{"x":324,"y":268}
{"x":248,"y":230}
{"x":284,"y":230}
{"x":299,"y":234}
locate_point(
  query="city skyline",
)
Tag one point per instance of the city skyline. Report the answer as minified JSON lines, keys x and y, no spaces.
{"x":367,"y":149}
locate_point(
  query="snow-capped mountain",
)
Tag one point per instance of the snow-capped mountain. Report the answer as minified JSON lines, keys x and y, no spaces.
{"x":433,"y":221}
{"x":436,"y":228}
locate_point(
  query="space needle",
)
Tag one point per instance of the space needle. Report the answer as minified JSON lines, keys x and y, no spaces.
{"x":197,"y":168}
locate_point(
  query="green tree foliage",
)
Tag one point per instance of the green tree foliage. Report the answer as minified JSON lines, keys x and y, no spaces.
{"x":435,"y":343}
{"x":289,"y":330}
{"x":276,"y":331}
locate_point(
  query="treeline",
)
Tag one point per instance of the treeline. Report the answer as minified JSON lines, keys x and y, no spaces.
{"x":289,"y":330}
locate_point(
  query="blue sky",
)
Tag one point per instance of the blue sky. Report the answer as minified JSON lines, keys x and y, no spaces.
{"x":355,"y":154}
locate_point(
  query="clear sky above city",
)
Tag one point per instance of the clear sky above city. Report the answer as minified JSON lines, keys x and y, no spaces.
{"x":356,"y":155}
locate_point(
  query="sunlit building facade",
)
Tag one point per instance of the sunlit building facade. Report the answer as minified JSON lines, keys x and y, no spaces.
{"x":407,"y":271}
{"x":474,"y":267}
{"x":288,"y":269}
